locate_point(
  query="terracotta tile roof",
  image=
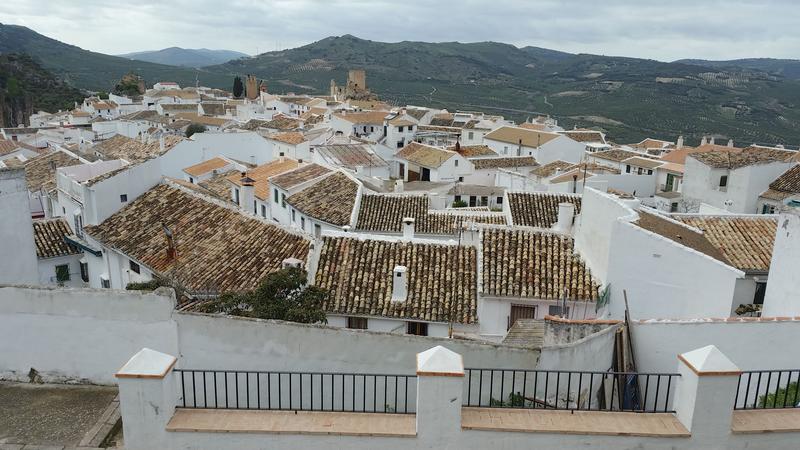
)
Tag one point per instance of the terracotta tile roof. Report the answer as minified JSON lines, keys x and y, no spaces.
{"x":330,"y":200}
{"x":7,"y":147}
{"x":416,"y":113}
{"x":351,"y":155}
{"x":368,"y":117}
{"x":133,"y":150}
{"x":254,"y":124}
{"x":640,"y":161}
{"x":788,"y":182}
{"x":520,"y":263}
{"x":662,"y":226}
{"x":283,"y":123}
{"x":617,"y":155}
{"x":550,"y":169}
{"x":538,"y":209}
{"x":533,"y":126}
{"x":424,"y":155}
{"x":217,"y":248}
{"x":504,"y":162}
{"x":746,"y":242}
{"x":442,"y":120}
{"x":584,"y":136}
{"x":299,"y":176}
{"x":747,"y":157}
{"x":652,"y":143}
{"x":359,"y":275}
{"x":469,"y":151}
{"x":262,"y":174}
{"x":40,"y":171}
{"x":770,"y":194}
{"x":49,"y":237}
{"x":679,"y":155}
{"x":203,"y":120}
{"x":180,"y":93}
{"x":209,"y":165}
{"x":179,"y":107}
{"x":401,"y":121}
{"x":216,"y":186}
{"x":385,"y":214}
{"x":291,"y":137}
{"x":213,"y":108}
{"x":529,"y":138}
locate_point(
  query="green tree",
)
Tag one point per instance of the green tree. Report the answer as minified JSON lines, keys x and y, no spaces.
{"x":195,"y":128}
{"x":782,"y":398}
{"x":102,"y":95}
{"x":238,"y":87}
{"x":282,"y":295}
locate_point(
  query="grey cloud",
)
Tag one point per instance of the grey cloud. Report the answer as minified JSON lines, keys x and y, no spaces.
{"x":664,"y":30}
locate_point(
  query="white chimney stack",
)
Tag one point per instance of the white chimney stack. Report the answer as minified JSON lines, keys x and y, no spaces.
{"x":399,"y":284}
{"x":566,"y":212}
{"x":161,"y":143}
{"x":703,"y":141}
{"x":408,"y":228}
{"x":730,"y":143}
{"x":247,"y":199}
{"x":712,"y":140}
{"x":680,"y":142}
{"x":781,"y":296}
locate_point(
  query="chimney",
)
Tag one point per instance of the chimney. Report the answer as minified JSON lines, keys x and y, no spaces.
{"x":703,"y":141}
{"x":172,"y":252}
{"x":408,"y":228}
{"x":399,"y":284}
{"x":161,"y":143}
{"x":346,"y":228}
{"x":730,"y":143}
{"x":398,"y":186}
{"x":711,"y":141}
{"x":247,"y":199}
{"x":566,"y":213}
{"x":680,"y":142}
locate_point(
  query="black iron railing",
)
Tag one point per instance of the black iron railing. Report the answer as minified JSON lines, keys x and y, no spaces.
{"x":571,"y":390}
{"x":768,"y":389}
{"x":297,"y":391}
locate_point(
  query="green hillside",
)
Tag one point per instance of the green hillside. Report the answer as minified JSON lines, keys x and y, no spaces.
{"x":789,"y":68}
{"x":90,"y":70}
{"x":629,"y":98}
{"x":186,"y":57}
{"x":25,"y":87}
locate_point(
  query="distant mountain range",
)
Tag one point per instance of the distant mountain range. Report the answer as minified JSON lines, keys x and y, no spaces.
{"x":628,"y":98}
{"x":187,"y":57}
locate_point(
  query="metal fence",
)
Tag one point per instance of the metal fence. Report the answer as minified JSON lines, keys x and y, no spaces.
{"x":297,"y":391}
{"x":570,"y":390}
{"x":768,"y":389}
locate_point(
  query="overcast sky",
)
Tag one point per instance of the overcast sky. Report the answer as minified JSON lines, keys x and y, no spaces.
{"x":664,"y":30}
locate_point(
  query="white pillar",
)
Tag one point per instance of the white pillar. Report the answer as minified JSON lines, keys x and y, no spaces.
{"x":147,"y":397}
{"x":781,"y":298}
{"x":440,"y":383}
{"x":706,"y":391}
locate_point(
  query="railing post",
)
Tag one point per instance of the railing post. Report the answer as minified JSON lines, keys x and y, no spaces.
{"x":440,"y":383}
{"x":147,"y":399}
{"x":705,"y":391}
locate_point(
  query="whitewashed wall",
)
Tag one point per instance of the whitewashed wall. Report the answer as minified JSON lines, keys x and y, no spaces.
{"x":16,"y":230}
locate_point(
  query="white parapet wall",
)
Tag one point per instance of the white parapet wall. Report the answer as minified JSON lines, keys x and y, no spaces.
{"x":85,"y":335}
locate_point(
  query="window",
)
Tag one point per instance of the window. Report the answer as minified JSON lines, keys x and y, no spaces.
{"x":628,"y":168}
{"x":400,"y":129}
{"x":283,"y":200}
{"x":62,"y":273}
{"x":294,"y":219}
{"x":399,"y":144}
{"x":418,"y":328}
{"x":768,"y":209}
{"x":303,"y":223}
{"x":460,"y":179}
{"x":639,"y":171}
{"x":191,"y":180}
{"x":105,"y":283}
{"x":505,"y":150}
{"x":63,"y":210}
{"x":280,"y":154}
{"x":649,"y":171}
{"x":470,"y":135}
{"x":458,"y":198}
{"x":761,"y":289}
{"x":673,"y":207}
{"x":456,"y":163}
{"x":411,"y":128}
{"x":276,"y":196}
{"x":85,"y":272}
{"x":134,"y":267}
{"x":255,"y":207}
{"x":236,"y":195}
{"x":123,"y":198}
{"x":723,"y":181}
{"x":556,"y":310}
{"x":484,"y":201}
{"x":263,"y":211}
{"x":499,"y":200}
{"x":357,"y":323}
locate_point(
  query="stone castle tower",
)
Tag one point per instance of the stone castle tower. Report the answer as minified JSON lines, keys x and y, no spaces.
{"x":355,"y":89}
{"x":251,"y":87}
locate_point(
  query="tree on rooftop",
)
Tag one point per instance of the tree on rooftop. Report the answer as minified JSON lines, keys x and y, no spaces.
{"x":238,"y":87}
{"x":282,"y":295}
{"x":195,"y":128}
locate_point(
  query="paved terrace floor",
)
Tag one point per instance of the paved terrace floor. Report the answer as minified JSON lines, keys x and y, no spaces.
{"x":51,"y":416}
